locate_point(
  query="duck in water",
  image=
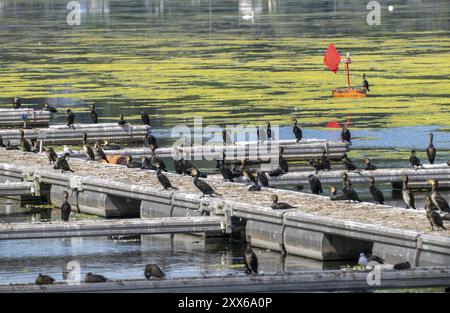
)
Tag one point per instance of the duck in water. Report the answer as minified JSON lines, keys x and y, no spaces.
{"x":376,"y":193}
{"x":250,"y":259}
{"x":408,"y":196}
{"x":431,"y":150}
{"x":276,"y":205}
{"x":433,"y":217}
{"x":297,"y":131}
{"x":153,"y":271}
{"x":65,"y":207}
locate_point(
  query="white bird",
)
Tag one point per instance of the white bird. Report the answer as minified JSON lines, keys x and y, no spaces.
{"x":362,"y":259}
{"x":249,"y":17}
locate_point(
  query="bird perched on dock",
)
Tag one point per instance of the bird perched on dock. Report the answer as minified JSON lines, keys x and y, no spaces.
{"x":17,"y":103}
{"x":282,"y":162}
{"x":65,"y":207}
{"x":62,"y":163}
{"x":345,"y":180}
{"x":2,"y":145}
{"x":94,"y":278}
{"x":163,"y":180}
{"x":317,"y":165}
{"x":51,"y":155}
{"x":70,"y":118}
{"x":250,"y":259}
{"x":368,"y":165}
{"x":362,"y":260}
{"x":153,"y":271}
{"x":346,"y":136}
{"x":348,"y":164}
{"x":202,"y":185}
{"x":87,"y":149}
{"x":154,"y":159}
{"x":121,"y":121}
{"x":431,"y":150}
{"x":433,"y":217}
{"x":26,"y":147}
{"x":130,"y":163}
{"x":94,"y":115}
{"x":347,"y":189}
{"x":438,"y":200}
{"x":376,"y":193}
{"x":50,"y":108}
{"x":269,"y":130}
{"x":9,"y":146}
{"x":262,"y":178}
{"x":402,"y":266}
{"x":408,"y":196}
{"x":325,"y":161}
{"x":365,"y":83}
{"x":150,"y":140}
{"x":108,"y":146}
{"x":99,"y":151}
{"x":250,"y":178}
{"x":254,"y":187}
{"x":334,"y":196}
{"x":147,"y":164}
{"x":44,"y":280}
{"x":34,"y":145}
{"x":415,"y":161}
{"x":315,"y":184}
{"x":276,"y":205}
{"x":226,"y":172}
{"x":297,"y":131}
{"x":145,"y":118}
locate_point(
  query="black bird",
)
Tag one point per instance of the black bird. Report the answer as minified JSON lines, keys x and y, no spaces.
{"x":154,"y":159}
{"x":94,"y":115}
{"x":334,"y":196}
{"x":70,"y":118}
{"x":185,"y":166}
{"x":145,"y":118}
{"x":94,"y":278}
{"x":44,"y":280}
{"x":279,"y":205}
{"x":254,"y":187}
{"x":108,"y":146}
{"x":9,"y":146}
{"x":415,"y":161}
{"x":226,"y":137}
{"x":345,"y":181}
{"x":153,"y":271}
{"x":121,"y":121}
{"x":247,"y":173}
{"x":365,"y":83}
{"x":99,"y":151}
{"x":276,"y":172}
{"x":150,"y":140}
{"x":402,"y":266}
{"x":203,"y":186}
{"x":349,"y":192}
{"x":62,"y":163}
{"x":317,"y":165}
{"x":51,"y":155}
{"x":438,"y":200}
{"x":34,"y":145}
{"x":17,"y":103}
{"x":147,"y":164}
{"x":297,"y":131}
{"x":431,"y":150}
{"x":348,"y":164}
{"x":88,"y":152}
{"x":163,"y":180}
{"x":269,"y":131}
{"x":346,"y":136}
{"x":1,"y":142}
{"x":226,"y":172}
{"x":65,"y":207}
{"x":250,"y":259}
{"x":49,"y":108}
{"x":376,"y":193}
{"x":375,"y":258}
{"x":315,"y":184}
{"x":369,"y":166}
{"x":282,"y":162}
{"x":262,"y":177}
{"x":433,"y":217}
{"x":132,"y":163}
{"x":26,"y":147}
{"x":325,"y":160}
{"x":408,"y":196}
{"x":177,"y":167}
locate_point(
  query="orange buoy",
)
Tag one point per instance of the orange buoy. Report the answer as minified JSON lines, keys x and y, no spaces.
{"x":115,"y":159}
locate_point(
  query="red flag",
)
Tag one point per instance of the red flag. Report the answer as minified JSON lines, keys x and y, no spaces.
{"x":332,"y":58}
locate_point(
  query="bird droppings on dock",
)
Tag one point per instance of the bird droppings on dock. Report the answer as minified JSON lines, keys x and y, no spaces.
{"x":386,"y":216}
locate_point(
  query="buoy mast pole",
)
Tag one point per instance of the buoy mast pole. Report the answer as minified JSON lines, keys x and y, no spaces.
{"x":347,"y":62}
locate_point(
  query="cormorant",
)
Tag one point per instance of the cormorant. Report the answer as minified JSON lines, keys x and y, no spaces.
{"x":262,"y":177}
{"x":108,"y":146}
{"x":132,"y":163}
{"x":94,"y":278}
{"x":88,"y":152}
{"x":247,"y":173}
{"x":62,"y":163}
{"x":365,"y":83}
{"x":283,"y":163}
{"x":177,"y":167}
{"x":276,"y":172}
{"x":369,"y":166}
{"x":402,"y":266}
{"x":202,"y":186}
{"x":185,"y":166}
{"x":433,"y":217}
{"x":65,"y":207}
{"x":9,"y":146}
{"x":17,"y":103}
{"x":94,"y":115}
{"x":70,"y":118}
{"x":155,"y":160}
{"x":325,"y":160}
{"x":345,"y":181}
{"x":315,"y":184}
{"x":346,"y":136}
{"x":226,"y":172}
{"x":147,"y":164}
{"x":51,"y":155}
{"x":269,"y":131}
{"x":254,"y":187}
{"x":349,"y":166}
{"x":145,"y":118}
{"x":349,"y":192}
{"x":34,"y":145}
{"x":407,"y":194}
{"x":317,"y":165}
{"x":376,"y":193}
{"x":26,"y":147}
{"x":334,"y":196}
{"x":297,"y":131}
{"x":49,"y":108}
{"x":250,"y":259}
{"x":415,"y":162}
{"x":153,"y":271}
{"x":163,"y":180}
{"x":151,"y":140}
{"x":99,"y":151}
{"x":44,"y":280}
{"x":279,"y":205}
{"x":431,"y":150}
{"x":121,"y":121}
{"x":1,"y":142}
{"x":438,"y":200}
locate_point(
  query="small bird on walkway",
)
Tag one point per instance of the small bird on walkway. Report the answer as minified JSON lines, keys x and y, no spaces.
{"x":94,"y":278}
{"x":65,"y":207}
{"x":376,"y":193}
{"x":297,"y":131}
{"x":276,"y":205}
{"x":402,"y":266}
{"x":70,"y":118}
{"x":62,"y":163}
{"x":44,"y":280}
{"x":414,"y":160}
{"x":315,"y":184}
{"x":51,"y":155}
{"x":153,"y":271}
{"x":250,"y":260}
{"x":439,"y":201}
{"x":204,"y":187}
{"x":368,"y":165}
{"x":407,"y":194}
{"x":433,"y":217}
{"x":334,"y":196}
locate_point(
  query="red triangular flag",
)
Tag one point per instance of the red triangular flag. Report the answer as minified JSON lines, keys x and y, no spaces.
{"x":332,"y":58}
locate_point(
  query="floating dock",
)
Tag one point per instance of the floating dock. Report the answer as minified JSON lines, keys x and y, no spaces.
{"x":301,"y":281}
{"x":62,"y":134}
{"x":17,"y":189}
{"x":316,"y":228}
{"x":16,"y":117}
